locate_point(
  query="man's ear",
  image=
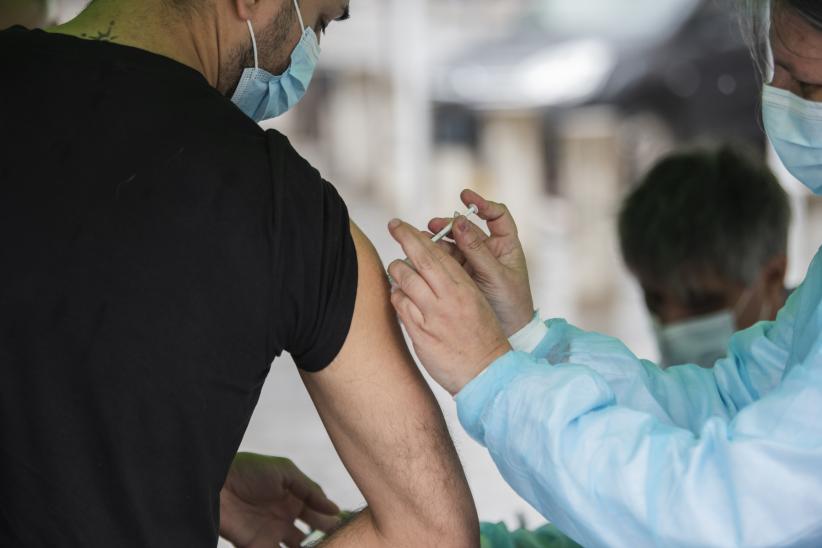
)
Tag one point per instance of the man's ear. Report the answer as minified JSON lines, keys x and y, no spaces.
{"x":245,"y":8}
{"x":258,"y":11}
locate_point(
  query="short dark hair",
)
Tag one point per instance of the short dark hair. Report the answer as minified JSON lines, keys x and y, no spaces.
{"x":704,"y":212}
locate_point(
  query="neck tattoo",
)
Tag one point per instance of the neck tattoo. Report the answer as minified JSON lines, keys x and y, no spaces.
{"x":102,"y":36}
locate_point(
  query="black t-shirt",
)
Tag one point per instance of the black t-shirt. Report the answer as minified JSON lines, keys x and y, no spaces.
{"x":157,"y":251}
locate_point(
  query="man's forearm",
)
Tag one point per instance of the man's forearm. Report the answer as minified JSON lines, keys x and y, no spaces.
{"x":442,"y":510}
{"x":424,"y":500}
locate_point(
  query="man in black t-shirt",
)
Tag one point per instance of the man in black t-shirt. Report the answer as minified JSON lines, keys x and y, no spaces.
{"x":157,"y":251}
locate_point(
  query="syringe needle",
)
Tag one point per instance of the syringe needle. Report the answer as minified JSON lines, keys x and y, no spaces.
{"x":472,"y":209}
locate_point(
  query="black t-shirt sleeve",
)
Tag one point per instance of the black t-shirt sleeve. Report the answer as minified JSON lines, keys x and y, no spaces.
{"x":314,"y":260}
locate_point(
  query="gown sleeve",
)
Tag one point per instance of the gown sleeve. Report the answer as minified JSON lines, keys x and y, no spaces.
{"x":685,"y":395}
{"x":617,"y":453}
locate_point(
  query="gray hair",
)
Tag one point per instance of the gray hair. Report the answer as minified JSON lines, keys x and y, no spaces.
{"x":714,"y":213}
{"x":755,"y":18}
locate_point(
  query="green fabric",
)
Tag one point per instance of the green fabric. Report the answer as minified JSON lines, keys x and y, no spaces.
{"x":496,"y":535}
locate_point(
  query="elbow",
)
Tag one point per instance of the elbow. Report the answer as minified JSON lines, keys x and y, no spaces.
{"x":457,"y":530}
{"x":454,"y":537}
{"x":453,"y":522}
{"x":469,"y":537}
{"x":463,"y":531}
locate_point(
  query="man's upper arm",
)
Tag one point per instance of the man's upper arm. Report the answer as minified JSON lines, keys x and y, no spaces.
{"x":387,"y":427}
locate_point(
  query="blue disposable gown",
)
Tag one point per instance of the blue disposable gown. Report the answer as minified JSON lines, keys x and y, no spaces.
{"x":617,"y":452}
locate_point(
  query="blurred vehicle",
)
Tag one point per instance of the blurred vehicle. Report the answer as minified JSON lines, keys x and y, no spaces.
{"x":674,"y":71}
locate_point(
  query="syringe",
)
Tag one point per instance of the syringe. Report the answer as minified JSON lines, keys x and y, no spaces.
{"x":472,"y":210}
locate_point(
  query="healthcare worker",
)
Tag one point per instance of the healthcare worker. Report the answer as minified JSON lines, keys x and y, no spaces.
{"x":610,"y":448}
{"x":705,"y":234}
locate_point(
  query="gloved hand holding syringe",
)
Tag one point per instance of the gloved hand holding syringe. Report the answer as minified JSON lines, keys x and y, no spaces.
{"x":472,"y":210}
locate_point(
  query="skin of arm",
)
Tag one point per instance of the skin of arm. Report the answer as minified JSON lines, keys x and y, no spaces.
{"x":389,"y":431}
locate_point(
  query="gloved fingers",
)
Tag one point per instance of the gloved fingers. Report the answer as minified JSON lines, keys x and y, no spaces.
{"x":408,"y":312}
{"x":499,"y":219}
{"x":471,"y":241}
{"x":438,"y":269}
{"x":410,"y":282}
{"x":452,"y":250}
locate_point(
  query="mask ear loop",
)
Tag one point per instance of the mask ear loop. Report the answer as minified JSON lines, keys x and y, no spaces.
{"x":766,"y":317}
{"x":253,"y":44}
{"x":745,"y":299}
{"x":299,"y":16}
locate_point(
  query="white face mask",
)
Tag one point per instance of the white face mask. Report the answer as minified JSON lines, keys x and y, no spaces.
{"x":794,"y":127}
{"x":702,"y":340}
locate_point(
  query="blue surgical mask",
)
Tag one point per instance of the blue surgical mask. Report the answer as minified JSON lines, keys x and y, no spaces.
{"x":701,"y":340}
{"x":262,"y":95}
{"x":794,"y":127}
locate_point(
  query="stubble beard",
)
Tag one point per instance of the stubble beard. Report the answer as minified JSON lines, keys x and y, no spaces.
{"x":273,"y":47}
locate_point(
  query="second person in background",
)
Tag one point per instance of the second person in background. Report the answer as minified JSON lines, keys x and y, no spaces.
{"x":706,"y":235}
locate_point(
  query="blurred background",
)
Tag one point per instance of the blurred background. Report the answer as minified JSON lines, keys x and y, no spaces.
{"x":554,"y":107}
